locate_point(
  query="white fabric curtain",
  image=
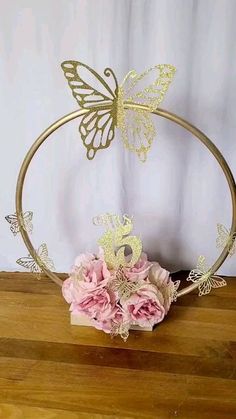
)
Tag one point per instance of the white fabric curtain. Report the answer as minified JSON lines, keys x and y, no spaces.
{"x":179,"y":195}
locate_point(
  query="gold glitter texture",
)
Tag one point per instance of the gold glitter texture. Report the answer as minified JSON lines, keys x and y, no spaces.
{"x":106,"y":105}
{"x":39,"y":261}
{"x":225,"y":239}
{"x":25,"y":222}
{"x":116,"y":240}
{"x":174,"y":293}
{"x":204,"y":277}
{"x":121,"y":284}
{"x":120,"y":329}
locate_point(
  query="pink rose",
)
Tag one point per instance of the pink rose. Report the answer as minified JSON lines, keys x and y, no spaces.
{"x":95,"y":274}
{"x":89,"y":292}
{"x":105,"y":325}
{"x":100,"y":306}
{"x":145,"y":306}
{"x":117,"y":317}
{"x":160,"y":277}
{"x":97,"y":304}
{"x":71,"y":290}
{"x":84,"y":259}
{"x":140,"y":270}
{"x":90,"y":272}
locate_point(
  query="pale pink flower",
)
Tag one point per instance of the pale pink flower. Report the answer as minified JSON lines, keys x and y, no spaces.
{"x":90,"y":271}
{"x":83,"y":259}
{"x":88,"y":292}
{"x":95,"y":274}
{"x":140,"y":270}
{"x":145,"y":307}
{"x":160,"y":277}
{"x":96,"y":304}
{"x":71,"y":290}
{"x":116,"y":318}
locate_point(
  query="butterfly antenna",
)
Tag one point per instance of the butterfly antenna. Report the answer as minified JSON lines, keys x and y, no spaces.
{"x":109,"y":72}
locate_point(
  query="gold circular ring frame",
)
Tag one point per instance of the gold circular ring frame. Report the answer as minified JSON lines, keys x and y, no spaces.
{"x":159,"y":112}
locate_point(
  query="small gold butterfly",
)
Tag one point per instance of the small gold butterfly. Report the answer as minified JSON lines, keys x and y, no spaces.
{"x":122,"y":285}
{"x":206,"y":280}
{"x":40,"y":260}
{"x":174,"y":293}
{"x":224,"y":239}
{"x":105,"y":105}
{"x":120,"y":329}
{"x":26,"y":222}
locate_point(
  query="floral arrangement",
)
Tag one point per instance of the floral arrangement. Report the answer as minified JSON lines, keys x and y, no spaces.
{"x":115,"y":300}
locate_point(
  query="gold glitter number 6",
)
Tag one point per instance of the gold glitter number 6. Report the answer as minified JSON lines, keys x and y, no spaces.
{"x":114,"y":242}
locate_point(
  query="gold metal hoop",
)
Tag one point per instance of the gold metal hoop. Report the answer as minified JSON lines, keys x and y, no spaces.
{"x":160,"y":112}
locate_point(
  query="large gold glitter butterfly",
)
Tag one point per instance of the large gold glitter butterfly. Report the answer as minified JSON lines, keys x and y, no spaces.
{"x":25,"y":222}
{"x":224,"y":239}
{"x":105,"y":105}
{"x":204,"y":276}
{"x":40,"y":260}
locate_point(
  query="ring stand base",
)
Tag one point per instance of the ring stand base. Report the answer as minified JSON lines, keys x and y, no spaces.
{"x":80,"y":320}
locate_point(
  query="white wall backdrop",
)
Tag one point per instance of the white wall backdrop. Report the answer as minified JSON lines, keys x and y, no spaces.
{"x":176,"y":197}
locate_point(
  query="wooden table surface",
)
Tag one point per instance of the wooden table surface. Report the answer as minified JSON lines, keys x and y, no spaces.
{"x":49,"y":369}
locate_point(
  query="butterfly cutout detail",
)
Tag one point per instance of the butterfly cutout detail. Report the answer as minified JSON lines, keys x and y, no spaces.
{"x":120,"y":329}
{"x":174,"y":294}
{"x":106,"y":105}
{"x":25,"y":222}
{"x":122,"y":285}
{"x":204,"y":276}
{"x":41,"y":260}
{"x":225,"y":239}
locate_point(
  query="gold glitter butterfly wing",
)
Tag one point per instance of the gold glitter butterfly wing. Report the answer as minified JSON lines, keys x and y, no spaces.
{"x":97,"y":130}
{"x":201,"y":264}
{"x":14,"y":226}
{"x":42,"y":253}
{"x":29,"y":263}
{"x":232,"y":245}
{"x":137,"y":132}
{"x":174,"y":292}
{"x":206,"y":280}
{"x":211,"y":282}
{"x":26,"y":222}
{"x":36,"y":266}
{"x":97,"y":126}
{"x":196,"y":274}
{"x":224,"y":238}
{"x":147,"y":89}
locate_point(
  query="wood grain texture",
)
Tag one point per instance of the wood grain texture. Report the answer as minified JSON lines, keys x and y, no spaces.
{"x":185,"y":368}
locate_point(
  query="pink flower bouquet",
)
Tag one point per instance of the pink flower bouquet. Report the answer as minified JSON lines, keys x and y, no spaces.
{"x":114,"y":300}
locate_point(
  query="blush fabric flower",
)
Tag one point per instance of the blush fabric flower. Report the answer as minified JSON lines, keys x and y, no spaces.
{"x":91,"y":290}
{"x":140,"y":270}
{"x":96,"y":304}
{"x":117,"y":317}
{"x":161,"y":279}
{"x":145,"y":307}
{"x":87,"y":274}
{"x":95,"y":275}
{"x":71,"y":290}
{"x":90,"y":271}
{"x":83,"y":259}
